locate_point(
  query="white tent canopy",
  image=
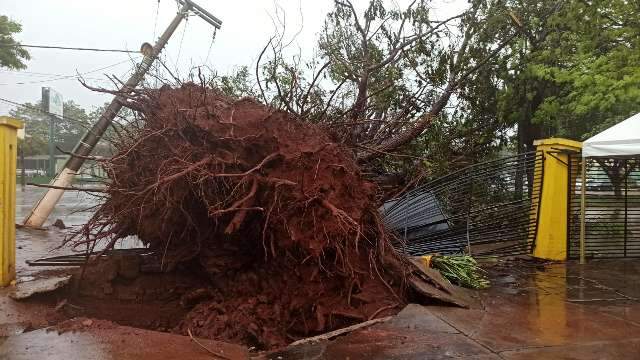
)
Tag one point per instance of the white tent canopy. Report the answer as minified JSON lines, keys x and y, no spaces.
{"x":619,"y":140}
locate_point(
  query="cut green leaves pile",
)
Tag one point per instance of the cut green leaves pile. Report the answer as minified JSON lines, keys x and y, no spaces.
{"x":462,"y":270}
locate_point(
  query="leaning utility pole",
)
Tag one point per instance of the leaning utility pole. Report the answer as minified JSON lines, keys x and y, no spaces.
{"x":43,"y":208}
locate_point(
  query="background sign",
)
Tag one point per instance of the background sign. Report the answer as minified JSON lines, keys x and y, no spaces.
{"x":52,"y":101}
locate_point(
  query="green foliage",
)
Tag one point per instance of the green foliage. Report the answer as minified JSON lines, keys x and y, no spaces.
{"x":238,"y":84}
{"x":68,"y":130}
{"x":574,"y":77}
{"x":594,"y":68}
{"x":462,"y":270}
{"x":11,"y":56}
{"x":33,"y":145}
{"x":572,"y":70}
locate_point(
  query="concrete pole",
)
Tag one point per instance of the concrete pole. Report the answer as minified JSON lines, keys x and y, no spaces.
{"x":43,"y":208}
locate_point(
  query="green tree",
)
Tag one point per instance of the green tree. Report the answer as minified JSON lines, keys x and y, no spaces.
{"x":595,"y":68}
{"x":69,"y":130}
{"x":572,"y":72}
{"x":36,"y":128}
{"x":11,"y":54}
{"x":385,"y":75}
{"x":237,"y":84}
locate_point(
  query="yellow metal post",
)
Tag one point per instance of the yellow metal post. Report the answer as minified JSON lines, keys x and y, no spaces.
{"x":551,"y":238}
{"x":8,"y":154}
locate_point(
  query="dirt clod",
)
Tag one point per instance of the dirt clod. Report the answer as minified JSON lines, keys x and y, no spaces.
{"x":59,"y":224}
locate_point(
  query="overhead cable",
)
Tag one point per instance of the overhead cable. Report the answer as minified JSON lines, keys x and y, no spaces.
{"x":68,"y":48}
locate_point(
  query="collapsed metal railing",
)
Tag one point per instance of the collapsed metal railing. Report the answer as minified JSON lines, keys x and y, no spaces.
{"x":490,"y":208}
{"x":612,"y":207}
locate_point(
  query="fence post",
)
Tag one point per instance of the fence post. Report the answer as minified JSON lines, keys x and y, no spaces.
{"x":551,"y":236}
{"x":8,"y":156}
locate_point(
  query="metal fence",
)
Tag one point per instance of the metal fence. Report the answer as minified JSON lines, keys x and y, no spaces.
{"x":612,"y":207}
{"x":488,"y":208}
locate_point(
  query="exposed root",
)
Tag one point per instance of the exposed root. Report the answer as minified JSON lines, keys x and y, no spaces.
{"x":269,"y":209}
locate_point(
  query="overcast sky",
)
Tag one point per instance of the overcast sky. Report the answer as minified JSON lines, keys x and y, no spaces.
{"x":126,"y":24}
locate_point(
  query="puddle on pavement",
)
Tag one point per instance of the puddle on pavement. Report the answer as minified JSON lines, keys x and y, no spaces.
{"x":72,"y":207}
{"x":549,"y":317}
{"x":32,"y":244}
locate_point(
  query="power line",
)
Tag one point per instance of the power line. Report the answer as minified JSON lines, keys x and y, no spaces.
{"x":184,"y":30}
{"x":213,"y":37}
{"x":178,"y":82}
{"x":30,"y":73}
{"x":63,"y":77}
{"x":155,"y":22}
{"x":68,"y":48}
{"x":39,"y":74}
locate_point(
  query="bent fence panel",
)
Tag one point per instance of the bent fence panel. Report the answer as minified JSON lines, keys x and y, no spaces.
{"x":489,"y":208}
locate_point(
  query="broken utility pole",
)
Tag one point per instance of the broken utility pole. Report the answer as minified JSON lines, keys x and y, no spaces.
{"x":43,"y":208}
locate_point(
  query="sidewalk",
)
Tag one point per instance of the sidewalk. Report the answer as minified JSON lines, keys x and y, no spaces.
{"x":553,"y":312}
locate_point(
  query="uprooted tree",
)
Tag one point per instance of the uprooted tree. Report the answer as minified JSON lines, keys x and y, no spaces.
{"x":273,"y":210}
{"x":271,"y":207}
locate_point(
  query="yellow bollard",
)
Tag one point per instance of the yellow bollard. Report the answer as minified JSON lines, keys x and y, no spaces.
{"x":551,"y":239}
{"x":8,"y":153}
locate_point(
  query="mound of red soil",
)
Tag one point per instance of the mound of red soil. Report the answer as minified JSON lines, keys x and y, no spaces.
{"x":270,"y":207}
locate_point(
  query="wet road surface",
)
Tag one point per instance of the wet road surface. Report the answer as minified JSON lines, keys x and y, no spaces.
{"x":74,"y":209}
{"x":102,"y":341}
{"x":532,"y":311}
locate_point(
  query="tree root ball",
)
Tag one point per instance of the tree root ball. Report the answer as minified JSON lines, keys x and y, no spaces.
{"x":269,"y":207}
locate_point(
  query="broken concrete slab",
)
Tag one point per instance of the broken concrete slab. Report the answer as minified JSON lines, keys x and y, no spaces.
{"x":24,"y":290}
{"x":117,"y":342}
{"x":431,"y":284}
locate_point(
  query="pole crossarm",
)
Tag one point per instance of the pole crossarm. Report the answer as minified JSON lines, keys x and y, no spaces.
{"x":202,"y":13}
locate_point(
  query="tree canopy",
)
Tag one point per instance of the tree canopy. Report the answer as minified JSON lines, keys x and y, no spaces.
{"x":408,"y":90}
{"x":12,"y":56}
{"x":573,"y":77}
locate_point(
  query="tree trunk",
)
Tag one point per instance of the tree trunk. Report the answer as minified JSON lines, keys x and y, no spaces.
{"x":417,"y":128}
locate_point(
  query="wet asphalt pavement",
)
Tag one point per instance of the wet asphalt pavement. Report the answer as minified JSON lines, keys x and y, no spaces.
{"x":74,"y":209}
